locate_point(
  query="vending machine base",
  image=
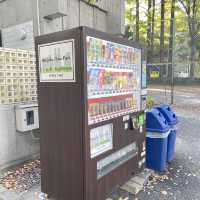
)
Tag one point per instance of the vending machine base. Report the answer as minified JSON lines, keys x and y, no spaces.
{"x":91,"y":123}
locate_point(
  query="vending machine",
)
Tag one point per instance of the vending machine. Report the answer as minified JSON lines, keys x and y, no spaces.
{"x":91,"y":122}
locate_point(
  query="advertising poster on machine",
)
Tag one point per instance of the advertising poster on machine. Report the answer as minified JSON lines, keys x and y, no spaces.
{"x":114,"y":83}
{"x":101,"y":140}
{"x":57,"y":61}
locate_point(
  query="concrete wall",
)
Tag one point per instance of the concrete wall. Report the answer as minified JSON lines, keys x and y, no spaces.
{"x":78,"y":13}
{"x":108,"y":17}
{"x":15,"y":147}
{"x":13,"y":12}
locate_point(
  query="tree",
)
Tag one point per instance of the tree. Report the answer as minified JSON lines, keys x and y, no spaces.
{"x":130,"y":19}
{"x":191,"y":8}
{"x":171,"y":38}
{"x":149,"y":31}
{"x":162,"y":30}
{"x":153,"y":28}
{"x":137,"y":21}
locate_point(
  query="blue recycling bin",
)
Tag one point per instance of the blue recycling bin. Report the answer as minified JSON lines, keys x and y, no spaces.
{"x":156,"y":140}
{"x":172,"y":120}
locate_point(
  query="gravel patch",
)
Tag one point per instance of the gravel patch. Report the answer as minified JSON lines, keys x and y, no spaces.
{"x":22,"y":178}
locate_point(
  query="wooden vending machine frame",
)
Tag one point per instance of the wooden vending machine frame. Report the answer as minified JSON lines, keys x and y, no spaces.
{"x":68,"y":168}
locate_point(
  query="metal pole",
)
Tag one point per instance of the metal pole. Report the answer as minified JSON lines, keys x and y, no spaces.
{"x":38,"y":17}
{"x":172,"y":65}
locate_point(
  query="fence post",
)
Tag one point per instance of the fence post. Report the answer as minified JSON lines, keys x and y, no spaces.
{"x":172,"y":64}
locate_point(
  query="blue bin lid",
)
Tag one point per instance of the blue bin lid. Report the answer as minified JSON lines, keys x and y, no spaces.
{"x":169,"y":115}
{"x":156,"y":122}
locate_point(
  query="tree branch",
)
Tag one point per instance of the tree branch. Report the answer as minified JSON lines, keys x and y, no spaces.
{"x":184,"y":6}
{"x":194,"y":6}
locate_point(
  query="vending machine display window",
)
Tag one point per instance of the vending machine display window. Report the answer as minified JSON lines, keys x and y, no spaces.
{"x":113,"y":73}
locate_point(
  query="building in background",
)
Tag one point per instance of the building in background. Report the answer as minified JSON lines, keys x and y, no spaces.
{"x":21,"y":20}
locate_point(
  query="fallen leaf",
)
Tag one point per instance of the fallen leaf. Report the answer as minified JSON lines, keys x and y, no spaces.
{"x":164,"y":192}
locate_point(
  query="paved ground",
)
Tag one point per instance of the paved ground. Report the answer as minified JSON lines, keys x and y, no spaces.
{"x":183,"y":179}
{"x":186,"y":99}
{"x":184,"y":176}
{"x":12,"y":195}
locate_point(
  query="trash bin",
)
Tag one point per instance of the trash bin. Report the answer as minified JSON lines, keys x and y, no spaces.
{"x":172,"y":120}
{"x":156,"y":140}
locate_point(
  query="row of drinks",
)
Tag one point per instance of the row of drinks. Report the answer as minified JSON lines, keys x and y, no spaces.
{"x":110,"y":107}
{"x":114,"y":66}
{"x":108,"y":52}
{"x":107,"y":81}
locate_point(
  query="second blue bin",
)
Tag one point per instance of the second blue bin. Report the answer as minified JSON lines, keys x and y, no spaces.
{"x":172,"y":120}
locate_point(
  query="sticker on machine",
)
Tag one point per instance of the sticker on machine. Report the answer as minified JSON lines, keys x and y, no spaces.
{"x":101,"y":139}
{"x":57,"y":61}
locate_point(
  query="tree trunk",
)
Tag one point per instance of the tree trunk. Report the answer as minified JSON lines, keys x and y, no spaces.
{"x":137,"y":21}
{"x":171,"y":39}
{"x":162,"y":30}
{"x":152,"y":31}
{"x":191,"y":25}
{"x":149,"y":32}
{"x":192,"y":56}
{"x":191,"y":10}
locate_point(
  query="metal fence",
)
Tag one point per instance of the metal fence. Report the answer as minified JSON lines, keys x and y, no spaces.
{"x":164,"y":85}
{"x":184,"y":71}
{"x":160,"y":72}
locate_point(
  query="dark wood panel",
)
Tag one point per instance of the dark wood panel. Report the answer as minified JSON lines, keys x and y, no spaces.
{"x":61,"y":112}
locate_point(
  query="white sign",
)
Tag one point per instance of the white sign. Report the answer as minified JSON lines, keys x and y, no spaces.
{"x":101,"y":140}
{"x":57,"y":61}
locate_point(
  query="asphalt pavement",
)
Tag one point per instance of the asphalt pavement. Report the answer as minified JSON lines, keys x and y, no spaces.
{"x":183,"y":181}
{"x":184,"y":171}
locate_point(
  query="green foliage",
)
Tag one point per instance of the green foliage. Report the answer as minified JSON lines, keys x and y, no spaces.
{"x":92,"y":1}
{"x":150,"y":102}
{"x":182,"y":37}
